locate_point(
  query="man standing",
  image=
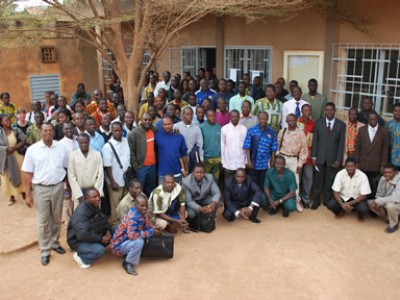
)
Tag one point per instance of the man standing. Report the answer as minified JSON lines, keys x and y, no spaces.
{"x":316,"y":100}
{"x":34,"y":132}
{"x":242,"y":197}
{"x":201,"y":192}
{"x":116,"y":160}
{"x":163,"y":84}
{"x":352,"y":128}
{"x":280,"y":188}
{"x":143,"y":155}
{"x":223,"y":92}
{"x":306,"y":124}
{"x":44,"y":166}
{"x":170,"y":148}
{"x":327,"y":152}
{"x":149,"y":88}
{"x":85,"y":170}
{"x":96,"y":139}
{"x":292,"y":106}
{"x":372,"y":150}
{"x":88,"y":232}
{"x":223,"y":116}
{"x":211,"y":132}
{"x":193,"y":137}
{"x":394,"y":130}
{"x":256,"y":91}
{"x":366,"y":109}
{"x":246,"y":118}
{"x":80,"y":127}
{"x":272,"y":106}
{"x":235,"y":103}
{"x":293,"y":146}
{"x":350,"y":191}
{"x":129,"y":201}
{"x":233,"y":156}
{"x":260,"y":146}
{"x":204,"y":92}
{"x":104,"y":128}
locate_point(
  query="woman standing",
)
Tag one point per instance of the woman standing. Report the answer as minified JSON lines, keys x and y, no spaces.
{"x":7,"y":108}
{"x":21,"y":121}
{"x":11,"y":139}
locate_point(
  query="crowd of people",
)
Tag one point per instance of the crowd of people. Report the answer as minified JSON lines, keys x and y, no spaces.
{"x":197,"y":144}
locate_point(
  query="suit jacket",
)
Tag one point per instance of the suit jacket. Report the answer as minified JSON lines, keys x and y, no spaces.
{"x":194,"y":193}
{"x":328,"y":147}
{"x":236,"y":197}
{"x":372,"y":156}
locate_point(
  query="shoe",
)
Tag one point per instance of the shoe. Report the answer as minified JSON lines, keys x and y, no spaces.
{"x":305,"y":205}
{"x":373,"y":215}
{"x":272,"y":211}
{"x":79,"y":261}
{"x":285,"y":213}
{"x":340,"y":215}
{"x":45,"y":260}
{"x":254,"y":220}
{"x":360,"y":218}
{"x":60,"y":250}
{"x":315,"y":205}
{"x":129,"y":268}
{"x":392,"y":229}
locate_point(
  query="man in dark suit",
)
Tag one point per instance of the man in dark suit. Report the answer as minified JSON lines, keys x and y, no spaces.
{"x":201,"y":192}
{"x":372,"y":150}
{"x":242,"y":197}
{"x":327,"y":152}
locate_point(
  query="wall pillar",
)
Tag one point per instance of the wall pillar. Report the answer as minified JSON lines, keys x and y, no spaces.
{"x":220,"y":44}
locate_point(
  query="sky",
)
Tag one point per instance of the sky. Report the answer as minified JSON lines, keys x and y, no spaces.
{"x":29,"y":3}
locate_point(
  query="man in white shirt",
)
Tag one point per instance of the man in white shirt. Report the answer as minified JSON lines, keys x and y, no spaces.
{"x":350,"y":191}
{"x":233,"y":156}
{"x":165,"y":84}
{"x":85,"y":169}
{"x":116,"y":160}
{"x":44,"y":166}
{"x":293,"y":106}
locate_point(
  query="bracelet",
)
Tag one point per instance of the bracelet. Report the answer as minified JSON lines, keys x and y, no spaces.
{"x":280,"y":201}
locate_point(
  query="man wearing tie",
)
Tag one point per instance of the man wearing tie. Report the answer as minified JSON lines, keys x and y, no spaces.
{"x":327,"y":152}
{"x":293,"y":106}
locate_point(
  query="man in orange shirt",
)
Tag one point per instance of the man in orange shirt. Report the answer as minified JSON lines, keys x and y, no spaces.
{"x":94,"y":105}
{"x":143,"y":157}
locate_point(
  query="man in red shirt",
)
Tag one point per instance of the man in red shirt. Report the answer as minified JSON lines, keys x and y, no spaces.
{"x":307,"y":124}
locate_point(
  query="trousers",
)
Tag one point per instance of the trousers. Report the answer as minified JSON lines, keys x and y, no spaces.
{"x":306,"y":182}
{"x":361,"y":208}
{"x":115,"y":198}
{"x":132,"y":250}
{"x":323,"y":181}
{"x":203,"y":202}
{"x":89,"y":252}
{"x":393,"y":211}
{"x":213,"y":166}
{"x":147,"y":175}
{"x":49,"y":205}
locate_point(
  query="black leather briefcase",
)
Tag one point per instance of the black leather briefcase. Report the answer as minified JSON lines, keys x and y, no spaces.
{"x":159,"y":246}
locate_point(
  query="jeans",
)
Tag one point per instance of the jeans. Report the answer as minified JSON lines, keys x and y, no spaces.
{"x":147,"y":175}
{"x":89,"y":252}
{"x":132,"y":250}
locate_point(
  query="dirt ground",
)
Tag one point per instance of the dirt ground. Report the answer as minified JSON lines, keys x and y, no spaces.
{"x":307,"y":256}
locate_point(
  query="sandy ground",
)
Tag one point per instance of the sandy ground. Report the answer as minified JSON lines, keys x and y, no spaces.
{"x":307,"y":256}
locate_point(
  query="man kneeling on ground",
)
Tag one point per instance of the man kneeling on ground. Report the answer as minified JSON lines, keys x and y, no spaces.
{"x":388,"y":197}
{"x":242,"y":197}
{"x":88,"y":231}
{"x":168,"y":204}
{"x":280,"y":188}
{"x":128,"y":238}
{"x":350,"y":191}
{"x":201,"y":192}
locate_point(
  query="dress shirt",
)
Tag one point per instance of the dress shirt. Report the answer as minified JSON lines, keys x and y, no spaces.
{"x":85,"y":172}
{"x":289,"y":107}
{"x":47,"y":164}
{"x":161,"y":85}
{"x":233,"y":155}
{"x":330,"y":121}
{"x":351,"y":187}
{"x":294,"y":144}
{"x":372,"y":131}
{"x":236,"y":102}
{"x":109,"y":159}
{"x":96,"y":141}
{"x":192,"y":135}
{"x":69,"y":144}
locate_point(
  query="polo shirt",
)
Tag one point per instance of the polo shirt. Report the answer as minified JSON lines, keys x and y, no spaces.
{"x":351,"y":187}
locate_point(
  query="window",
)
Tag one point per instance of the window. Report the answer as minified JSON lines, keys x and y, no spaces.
{"x":48,"y":54}
{"x":41,"y":83}
{"x":366,"y":70}
{"x":252,"y":60}
{"x":192,"y":59}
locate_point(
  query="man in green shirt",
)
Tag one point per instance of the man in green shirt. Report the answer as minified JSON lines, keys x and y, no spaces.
{"x":211,"y":131}
{"x":272,"y":106}
{"x":316,"y":100}
{"x":280,"y":188}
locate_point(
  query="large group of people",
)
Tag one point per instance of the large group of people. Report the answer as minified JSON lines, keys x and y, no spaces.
{"x":197,"y":144}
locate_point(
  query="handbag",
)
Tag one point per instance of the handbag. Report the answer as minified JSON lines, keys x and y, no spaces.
{"x":129,"y":174}
{"x":202,"y":222}
{"x":159,"y":246}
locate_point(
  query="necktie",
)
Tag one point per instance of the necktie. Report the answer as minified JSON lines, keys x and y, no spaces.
{"x":329,"y":127}
{"x":297,"y":109}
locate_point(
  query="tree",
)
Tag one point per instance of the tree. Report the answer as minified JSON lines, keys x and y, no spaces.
{"x":142,"y":25}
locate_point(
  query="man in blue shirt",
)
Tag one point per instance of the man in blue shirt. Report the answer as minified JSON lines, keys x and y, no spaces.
{"x":260,"y":145}
{"x":223,"y":92}
{"x":204,"y":92}
{"x":96,"y":139}
{"x":170,"y":148}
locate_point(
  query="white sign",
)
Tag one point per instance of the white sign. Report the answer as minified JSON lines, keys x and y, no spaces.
{"x":233,"y":74}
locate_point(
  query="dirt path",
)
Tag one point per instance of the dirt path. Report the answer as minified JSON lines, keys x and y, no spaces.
{"x":307,"y":256}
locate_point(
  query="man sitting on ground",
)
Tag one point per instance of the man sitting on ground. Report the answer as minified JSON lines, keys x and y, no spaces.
{"x":128,"y":238}
{"x":134,"y":190}
{"x":242,"y":197}
{"x":201,"y":192}
{"x":350,"y":191}
{"x":168,"y":204}
{"x":280,"y":188}
{"x":388,"y":196}
{"x":88,"y":231}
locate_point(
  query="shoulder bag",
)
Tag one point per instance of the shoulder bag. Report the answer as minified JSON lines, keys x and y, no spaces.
{"x":129,"y":174}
